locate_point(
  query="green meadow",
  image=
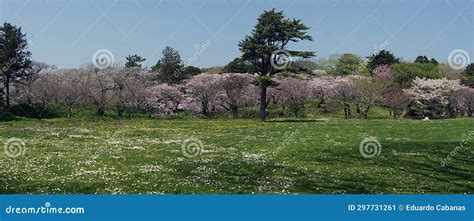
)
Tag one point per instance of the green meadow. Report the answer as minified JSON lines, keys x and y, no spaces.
{"x":209,"y":156}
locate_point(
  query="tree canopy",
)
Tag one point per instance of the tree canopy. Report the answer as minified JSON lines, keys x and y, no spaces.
{"x":422,"y":59}
{"x":238,"y":65}
{"x":468,"y":75}
{"x":405,"y":73}
{"x":348,"y":64}
{"x":383,"y":57}
{"x":134,"y":61}
{"x":170,"y":66}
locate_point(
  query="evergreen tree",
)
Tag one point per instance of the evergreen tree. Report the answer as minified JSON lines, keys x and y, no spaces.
{"x":383,"y":57}
{"x":238,"y":66}
{"x":468,"y":75}
{"x":266,"y":47}
{"x":134,"y":61}
{"x":14,"y":57}
{"x":170,"y":66}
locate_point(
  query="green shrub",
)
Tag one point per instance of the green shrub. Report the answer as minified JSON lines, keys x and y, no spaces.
{"x":406,"y":72}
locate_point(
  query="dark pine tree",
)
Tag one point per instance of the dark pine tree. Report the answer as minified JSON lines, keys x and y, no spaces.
{"x":14,"y":57}
{"x":271,"y":34}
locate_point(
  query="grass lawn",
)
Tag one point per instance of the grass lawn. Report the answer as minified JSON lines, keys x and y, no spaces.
{"x":238,"y":156}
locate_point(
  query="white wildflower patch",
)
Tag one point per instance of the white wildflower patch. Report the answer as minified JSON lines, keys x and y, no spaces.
{"x":169,"y":141}
{"x":151,"y":168}
{"x":83,"y":130}
{"x":204,"y":161}
{"x":253,"y":158}
{"x":204,"y":171}
{"x":134,"y":148}
{"x":55,"y":134}
{"x":114,"y":190}
{"x":115,"y":142}
{"x":82,"y":136}
{"x":276,"y":184}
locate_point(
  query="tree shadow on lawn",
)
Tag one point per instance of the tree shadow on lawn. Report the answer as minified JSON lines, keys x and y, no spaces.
{"x":349,"y":172}
{"x":344,"y":170}
{"x":270,"y":177}
{"x":294,"y":120}
{"x":29,"y":186}
{"x":431,"y":175}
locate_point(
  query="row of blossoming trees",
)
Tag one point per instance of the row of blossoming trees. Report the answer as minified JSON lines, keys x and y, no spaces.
{"x":425,"y":97}
{"x":39,"y":89}
{"x":129,"y":91}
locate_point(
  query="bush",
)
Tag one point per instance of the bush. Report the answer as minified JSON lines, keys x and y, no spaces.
{"x":405,"y":73}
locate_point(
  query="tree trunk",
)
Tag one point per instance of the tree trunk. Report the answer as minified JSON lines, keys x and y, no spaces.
{"x":7,"y":87}
{"x":321,"y":103}
{"x":205,"y":108}
{"x":347,"y":110}
{"x":69,"y":112}
{"x":100,"y":111}
{"x":263,"y":102}
{"x":120,"y":112}
{"x":235,"y":111}
{"x":404,"y":112}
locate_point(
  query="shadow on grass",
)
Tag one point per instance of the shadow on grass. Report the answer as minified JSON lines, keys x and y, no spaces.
{"x":294,"y":120}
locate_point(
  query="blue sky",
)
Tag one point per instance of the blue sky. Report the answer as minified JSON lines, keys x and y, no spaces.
{"x":68,"y":32}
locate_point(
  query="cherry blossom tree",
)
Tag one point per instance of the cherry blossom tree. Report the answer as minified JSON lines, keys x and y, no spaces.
{"x":39,"y":94}
{"x":100,"y":84}
{"x":294,"y":94}
{"x":468,"y":94}
{"x":432,"y":95}
{"x":396,"y":100}
{"x":322,"y":89}
{"x":204,"y":89}
{"x":236,"y":92}
{"x":72,"y":90}
{"x":463,"y":100}
{"x":128,"y":90}
{"x":383,"y":72}
{"x":343,"y":93}
{"x":163,"y":99}
{"x":369,"y":91}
